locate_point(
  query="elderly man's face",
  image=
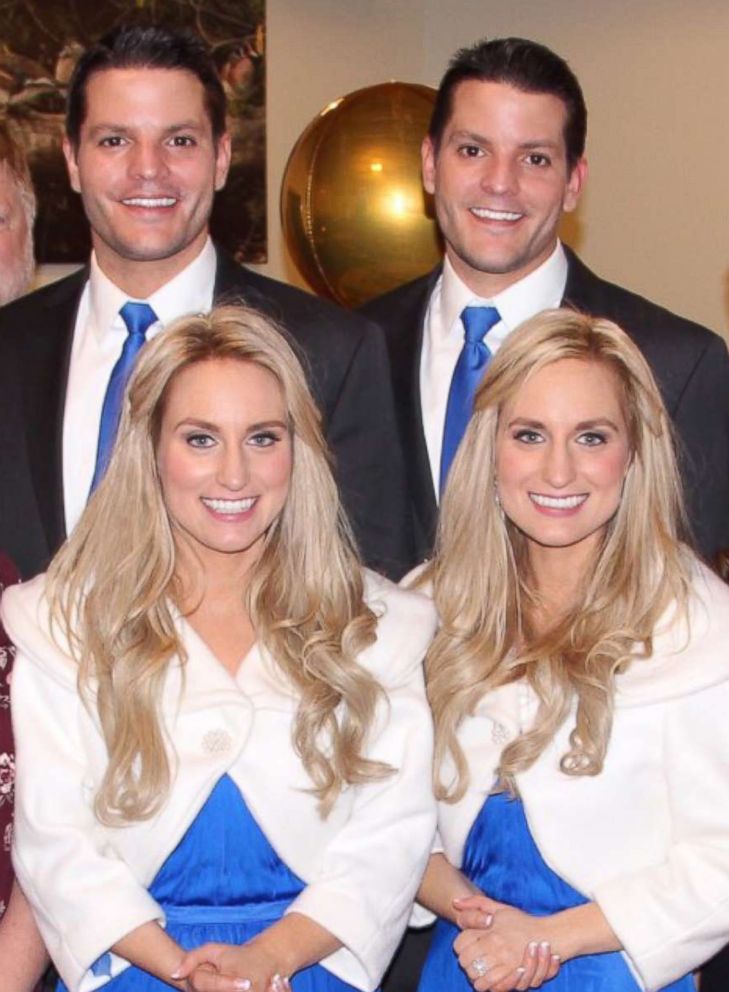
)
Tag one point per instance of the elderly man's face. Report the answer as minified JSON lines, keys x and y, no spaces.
{"x":16,"y":247}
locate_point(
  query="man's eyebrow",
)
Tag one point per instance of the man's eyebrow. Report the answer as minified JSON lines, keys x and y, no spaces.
{"x":482,"y":139}
{"x":110,"y":126}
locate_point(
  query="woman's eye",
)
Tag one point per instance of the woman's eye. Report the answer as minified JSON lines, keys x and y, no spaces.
{"x":264,"y":439}
{"x":592,"y":439}
{"x":528,"y":437}
{"x":200,"y":440}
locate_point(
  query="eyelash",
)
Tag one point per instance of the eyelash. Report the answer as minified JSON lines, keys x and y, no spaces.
{"x":599,"y":438}
{"x":527,"y":436}
{"x":590,"y":439}
{"x":197,"y":436}
{"x":270,"y":437}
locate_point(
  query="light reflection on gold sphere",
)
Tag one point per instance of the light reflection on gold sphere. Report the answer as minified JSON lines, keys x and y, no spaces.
{"x":353,"y":209}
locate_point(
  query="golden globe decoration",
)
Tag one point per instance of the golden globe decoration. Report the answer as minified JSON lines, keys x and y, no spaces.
{"x":354,"y":213}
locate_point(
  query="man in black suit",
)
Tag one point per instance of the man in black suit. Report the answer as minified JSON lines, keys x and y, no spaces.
{"x":503,"y":158}
{"x":146,"y":147}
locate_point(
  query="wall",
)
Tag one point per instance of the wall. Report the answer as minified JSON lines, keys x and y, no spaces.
{"x":656,"y":80}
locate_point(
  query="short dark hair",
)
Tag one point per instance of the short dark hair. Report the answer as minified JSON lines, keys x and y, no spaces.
{"x":135,"y":46}
{"x":525,"y":65}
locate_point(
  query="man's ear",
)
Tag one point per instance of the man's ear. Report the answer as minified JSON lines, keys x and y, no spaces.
{"x":576,"y":181}
{"x":222,"y":160}
{"x":69,"y":153}
{"x":427,"y":158}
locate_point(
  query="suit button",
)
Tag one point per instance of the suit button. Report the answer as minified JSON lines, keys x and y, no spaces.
{"x":216,"y":741}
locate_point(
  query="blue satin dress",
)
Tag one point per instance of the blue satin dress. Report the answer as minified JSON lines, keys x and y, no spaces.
{"x":502,"y":859}
{"x":223,"y":882}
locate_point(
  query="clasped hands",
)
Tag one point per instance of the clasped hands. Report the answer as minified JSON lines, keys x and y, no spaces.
{"x":501,"y":948}
{"x":229,"y":968}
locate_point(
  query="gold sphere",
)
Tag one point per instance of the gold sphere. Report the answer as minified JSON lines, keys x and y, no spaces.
{"x":353,"y":210}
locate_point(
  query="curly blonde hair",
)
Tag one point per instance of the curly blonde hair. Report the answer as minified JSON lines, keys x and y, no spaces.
{"x":113,"y":586}
{"x":481,"y":582}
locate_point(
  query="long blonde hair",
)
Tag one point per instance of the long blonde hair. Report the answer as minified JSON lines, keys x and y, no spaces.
{"x":112,"y":587}
{"x":481,"y":581}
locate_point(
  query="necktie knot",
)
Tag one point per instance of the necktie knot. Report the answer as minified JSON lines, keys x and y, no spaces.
{"x":478,"y":321}
{"x":138,"y":318}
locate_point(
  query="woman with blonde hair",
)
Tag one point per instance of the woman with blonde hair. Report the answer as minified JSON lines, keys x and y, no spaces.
{"x":579,"y":684}
{"x":222,"y":732}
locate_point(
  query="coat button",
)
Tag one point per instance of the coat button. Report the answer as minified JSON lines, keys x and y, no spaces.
{"x":216,"y":741}
{"x":499,"y":733}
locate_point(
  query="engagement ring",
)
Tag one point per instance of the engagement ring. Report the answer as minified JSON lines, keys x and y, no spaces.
{"x":479,"y":967}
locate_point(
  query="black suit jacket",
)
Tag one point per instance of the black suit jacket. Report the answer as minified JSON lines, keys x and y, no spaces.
{"x":690,"y":363}
{"x":345,"y":359}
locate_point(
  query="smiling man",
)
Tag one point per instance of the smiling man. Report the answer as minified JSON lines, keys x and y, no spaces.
{"x":147,"y":148}
{"x":504,"y":159}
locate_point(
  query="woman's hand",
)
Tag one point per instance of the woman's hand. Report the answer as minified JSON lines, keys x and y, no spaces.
{"x":501,"y":948}
{"x":230,"y":968}
{"x":261,"y":965}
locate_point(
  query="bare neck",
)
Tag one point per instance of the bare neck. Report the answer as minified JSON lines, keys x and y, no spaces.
{"x":140,"y":278}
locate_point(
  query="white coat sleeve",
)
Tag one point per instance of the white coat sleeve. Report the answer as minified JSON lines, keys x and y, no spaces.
{"x":674,"y":915}
{"x":366,"y":880}
{"x":83,"y":896}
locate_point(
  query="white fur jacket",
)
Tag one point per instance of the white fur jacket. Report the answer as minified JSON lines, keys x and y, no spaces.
{"x":647,"y":838}
{"x":362,"y":865}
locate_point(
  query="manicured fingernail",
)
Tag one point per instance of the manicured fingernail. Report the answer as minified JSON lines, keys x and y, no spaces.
{"x":533,"y":948}
{"x":520,"y":970}
{"x":175,"y":973}
{"x":488,"y":919}
{"x":242,"y":983}
{"x":544,"y":948}
{"x":556,"y":958}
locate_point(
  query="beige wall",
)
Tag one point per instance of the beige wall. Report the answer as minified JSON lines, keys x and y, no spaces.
{"x":656,"y":77}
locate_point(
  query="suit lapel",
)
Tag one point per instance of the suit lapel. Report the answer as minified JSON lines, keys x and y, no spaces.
{"x":405,"y":345}
{"x":47,"y":353}
{"x":579,"y":290}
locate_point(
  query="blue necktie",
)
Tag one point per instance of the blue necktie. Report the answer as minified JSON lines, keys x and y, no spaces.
{"x":138,"y":317}
{"x":469,"y":370}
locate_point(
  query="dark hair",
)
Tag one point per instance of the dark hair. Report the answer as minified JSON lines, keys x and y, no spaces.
{"x":525,"y":65}
{"x":134,"y":46}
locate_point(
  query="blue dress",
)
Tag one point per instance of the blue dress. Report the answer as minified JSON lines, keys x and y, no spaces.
{"x":223,"y":882}
{"x":502,"y":859}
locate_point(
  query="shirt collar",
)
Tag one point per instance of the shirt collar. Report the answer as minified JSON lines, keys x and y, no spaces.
{"x":190,"y":291}
{"x":542,"y":289}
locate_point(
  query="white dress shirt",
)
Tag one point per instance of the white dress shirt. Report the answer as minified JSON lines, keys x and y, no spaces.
{"x":443,"y":334}
{"x":98,"y":339}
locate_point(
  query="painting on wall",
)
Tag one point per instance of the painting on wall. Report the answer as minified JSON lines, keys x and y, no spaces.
{"x":40,"y":42}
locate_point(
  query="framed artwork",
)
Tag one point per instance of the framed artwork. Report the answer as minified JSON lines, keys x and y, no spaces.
{"x":40,"y":42}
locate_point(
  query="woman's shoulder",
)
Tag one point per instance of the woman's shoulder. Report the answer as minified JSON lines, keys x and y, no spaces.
{"x":8,"y":577}
{"x":689,"y":647}
{"x":397,"y":602}
{"x":24,"y":605}
{"x":26,"y":618}
{"x":406,"y":621}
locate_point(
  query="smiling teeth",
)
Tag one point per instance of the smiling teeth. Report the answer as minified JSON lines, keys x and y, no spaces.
{"x":149,"y":201}
{"x":495,"y":214}
{"x":558,"y":502}
{"x":230,"y":505}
